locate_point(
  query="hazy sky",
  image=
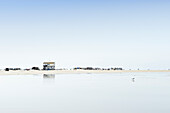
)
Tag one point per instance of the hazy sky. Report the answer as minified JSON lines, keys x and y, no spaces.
{"x":100,"y":33}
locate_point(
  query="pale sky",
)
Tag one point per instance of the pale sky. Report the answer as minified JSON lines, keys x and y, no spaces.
{"x":101,"y":33}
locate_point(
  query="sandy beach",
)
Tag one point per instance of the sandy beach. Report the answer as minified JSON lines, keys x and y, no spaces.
{"x":32,"y":72}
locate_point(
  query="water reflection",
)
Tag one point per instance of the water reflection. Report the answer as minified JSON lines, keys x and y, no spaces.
{"x":119,"y":93}
{"x":50,"y":76}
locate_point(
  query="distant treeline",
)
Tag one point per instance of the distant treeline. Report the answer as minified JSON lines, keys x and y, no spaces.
{"x":91,"y":68}
{"x":77,"y":68}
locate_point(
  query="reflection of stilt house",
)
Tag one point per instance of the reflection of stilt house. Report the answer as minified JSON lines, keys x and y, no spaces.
{"x":49,"y":76}
{"x":49,"y":66}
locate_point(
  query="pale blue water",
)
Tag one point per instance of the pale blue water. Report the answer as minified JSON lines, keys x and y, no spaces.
{"x":85,"y":93}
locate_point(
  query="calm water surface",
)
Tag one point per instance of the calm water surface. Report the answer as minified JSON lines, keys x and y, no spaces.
{"x":86,"y":93}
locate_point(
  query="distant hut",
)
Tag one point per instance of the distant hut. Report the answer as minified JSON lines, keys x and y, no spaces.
{"x":49,"y":66}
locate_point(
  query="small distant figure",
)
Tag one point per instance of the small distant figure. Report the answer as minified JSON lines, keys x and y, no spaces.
{"x":133,"y":79}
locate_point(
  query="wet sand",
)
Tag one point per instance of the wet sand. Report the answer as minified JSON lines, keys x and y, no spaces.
{"x":32,"y":72}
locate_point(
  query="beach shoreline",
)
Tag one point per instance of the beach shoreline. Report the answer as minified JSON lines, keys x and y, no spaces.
{"x":35,"y":72}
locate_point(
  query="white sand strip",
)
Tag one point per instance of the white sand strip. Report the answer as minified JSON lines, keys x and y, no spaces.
{"x":32,"y":72}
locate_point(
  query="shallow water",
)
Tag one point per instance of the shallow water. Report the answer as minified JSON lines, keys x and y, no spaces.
{"x":85,"y":93}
